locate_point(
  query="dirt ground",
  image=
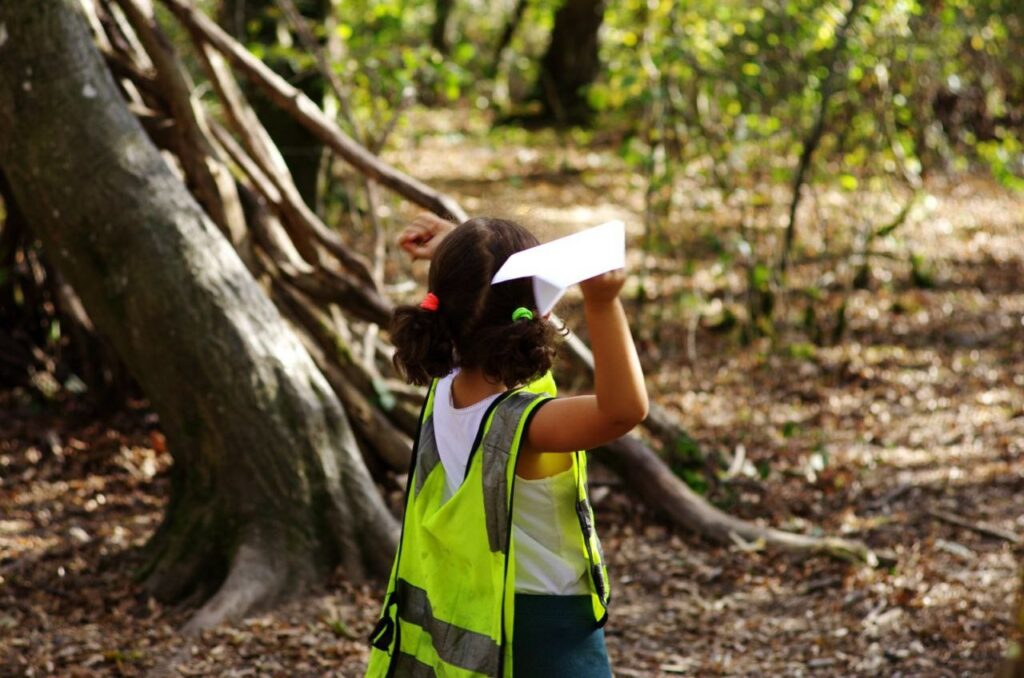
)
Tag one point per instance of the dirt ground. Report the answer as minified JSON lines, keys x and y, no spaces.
{"x":912,"y":422}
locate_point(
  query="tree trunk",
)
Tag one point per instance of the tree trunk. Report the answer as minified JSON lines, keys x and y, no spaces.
{"x":268,"y":489}
{"x":571,"y":62}
{"x":439,"y":30}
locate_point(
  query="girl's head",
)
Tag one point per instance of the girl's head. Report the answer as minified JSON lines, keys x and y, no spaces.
{"x":473,"y":327}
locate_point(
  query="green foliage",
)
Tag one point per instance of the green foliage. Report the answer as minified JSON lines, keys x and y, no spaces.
{"x":921,"y":274}
{"x":687,"y":461}
{"x":722,"y":91}
{"x":724,"y":94}
{"x":741,"y":81}
{"x":801,"y":351}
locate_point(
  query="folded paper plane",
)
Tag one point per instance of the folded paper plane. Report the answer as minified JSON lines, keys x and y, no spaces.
{"x":557,"y":265}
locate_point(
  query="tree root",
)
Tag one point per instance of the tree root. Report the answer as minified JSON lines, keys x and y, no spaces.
{"x":651,"y":479}
{"x":259,"y":576}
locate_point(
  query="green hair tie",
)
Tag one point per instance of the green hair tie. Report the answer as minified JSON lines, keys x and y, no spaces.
{"x":522,"y":313}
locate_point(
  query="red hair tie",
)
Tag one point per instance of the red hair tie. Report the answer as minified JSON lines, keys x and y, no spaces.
{"x":429,"y":302}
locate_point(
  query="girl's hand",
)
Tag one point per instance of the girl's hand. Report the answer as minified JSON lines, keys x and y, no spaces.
{"x":603,"y":288}
{"x":421,"y":238}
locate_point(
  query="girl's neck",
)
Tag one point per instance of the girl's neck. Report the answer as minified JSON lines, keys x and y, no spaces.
{"x":470,"y":386}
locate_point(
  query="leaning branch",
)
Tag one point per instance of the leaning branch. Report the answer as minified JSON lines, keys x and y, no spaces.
{"x":214,"y":186}
{"x":305,"y":225}
{"x":979,"y":527}
{"x":306,"y":112}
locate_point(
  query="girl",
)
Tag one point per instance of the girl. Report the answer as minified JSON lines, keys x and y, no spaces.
{"x":497,"y":539}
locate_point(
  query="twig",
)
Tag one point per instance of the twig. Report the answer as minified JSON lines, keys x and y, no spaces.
{"x":816,"y":585}
{"x":814,"y":136}
{"x":889,"y":497}
{"x":957,"y":549}
{"x":980,"y":528}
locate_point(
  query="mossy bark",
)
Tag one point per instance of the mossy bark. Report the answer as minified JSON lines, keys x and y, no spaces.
{"x":268,"y":489}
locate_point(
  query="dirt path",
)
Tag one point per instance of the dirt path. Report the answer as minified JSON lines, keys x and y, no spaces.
{"x":919,"y":413}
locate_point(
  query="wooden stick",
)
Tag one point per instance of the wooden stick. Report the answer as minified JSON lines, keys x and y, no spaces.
{"x":263,"y":198}
{"x":980,"y":528}
{"x":324,"y":346}
{"x":306,"y":226}
{"x":215,"y":187}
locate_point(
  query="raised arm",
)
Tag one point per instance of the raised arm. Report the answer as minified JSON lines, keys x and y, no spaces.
{"x":620,"y":397}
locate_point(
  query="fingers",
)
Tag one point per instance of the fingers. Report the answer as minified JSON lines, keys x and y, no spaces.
{"x":412,"y":234}
{"x":417,"y":251}
{"x":604,"y":287}
{"x":420,"y":238}
{"x":617,"y":275}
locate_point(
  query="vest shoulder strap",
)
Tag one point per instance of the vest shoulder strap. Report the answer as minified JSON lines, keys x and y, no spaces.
{"x":500,"y":450}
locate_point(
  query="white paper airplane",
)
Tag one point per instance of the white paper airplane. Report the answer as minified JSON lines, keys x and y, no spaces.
{"x":559,"y":264}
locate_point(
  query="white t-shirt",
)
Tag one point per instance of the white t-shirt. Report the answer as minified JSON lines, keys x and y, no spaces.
{"x":455,"y":430}
{"x":544,"y":523}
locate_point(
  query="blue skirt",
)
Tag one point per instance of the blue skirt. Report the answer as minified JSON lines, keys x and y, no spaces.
{"x":556,"y":636}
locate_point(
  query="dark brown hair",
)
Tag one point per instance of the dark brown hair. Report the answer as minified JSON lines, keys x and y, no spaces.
{"x":473,"y":326}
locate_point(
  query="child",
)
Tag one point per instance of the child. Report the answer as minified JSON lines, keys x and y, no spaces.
{"x":497,"y":539}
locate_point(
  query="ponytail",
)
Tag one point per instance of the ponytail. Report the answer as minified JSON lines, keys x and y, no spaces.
{"x":423,"y":344}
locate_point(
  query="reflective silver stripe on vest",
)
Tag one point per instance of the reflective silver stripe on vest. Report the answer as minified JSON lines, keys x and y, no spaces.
{"x":458,"y":646}
{"x":497,"y":448}
{"x":408,"y":666}
{"x":427,"y":456}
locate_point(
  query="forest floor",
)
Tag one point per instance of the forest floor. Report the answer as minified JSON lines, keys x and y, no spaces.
{"x":914,"y":416}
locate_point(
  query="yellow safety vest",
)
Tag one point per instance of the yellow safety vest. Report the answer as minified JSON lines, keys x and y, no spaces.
{"x":450,"y":603}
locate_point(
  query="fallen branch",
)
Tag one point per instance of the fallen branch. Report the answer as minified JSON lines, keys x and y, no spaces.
{"x":651,"y":479}
{"x":980,"y":528}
